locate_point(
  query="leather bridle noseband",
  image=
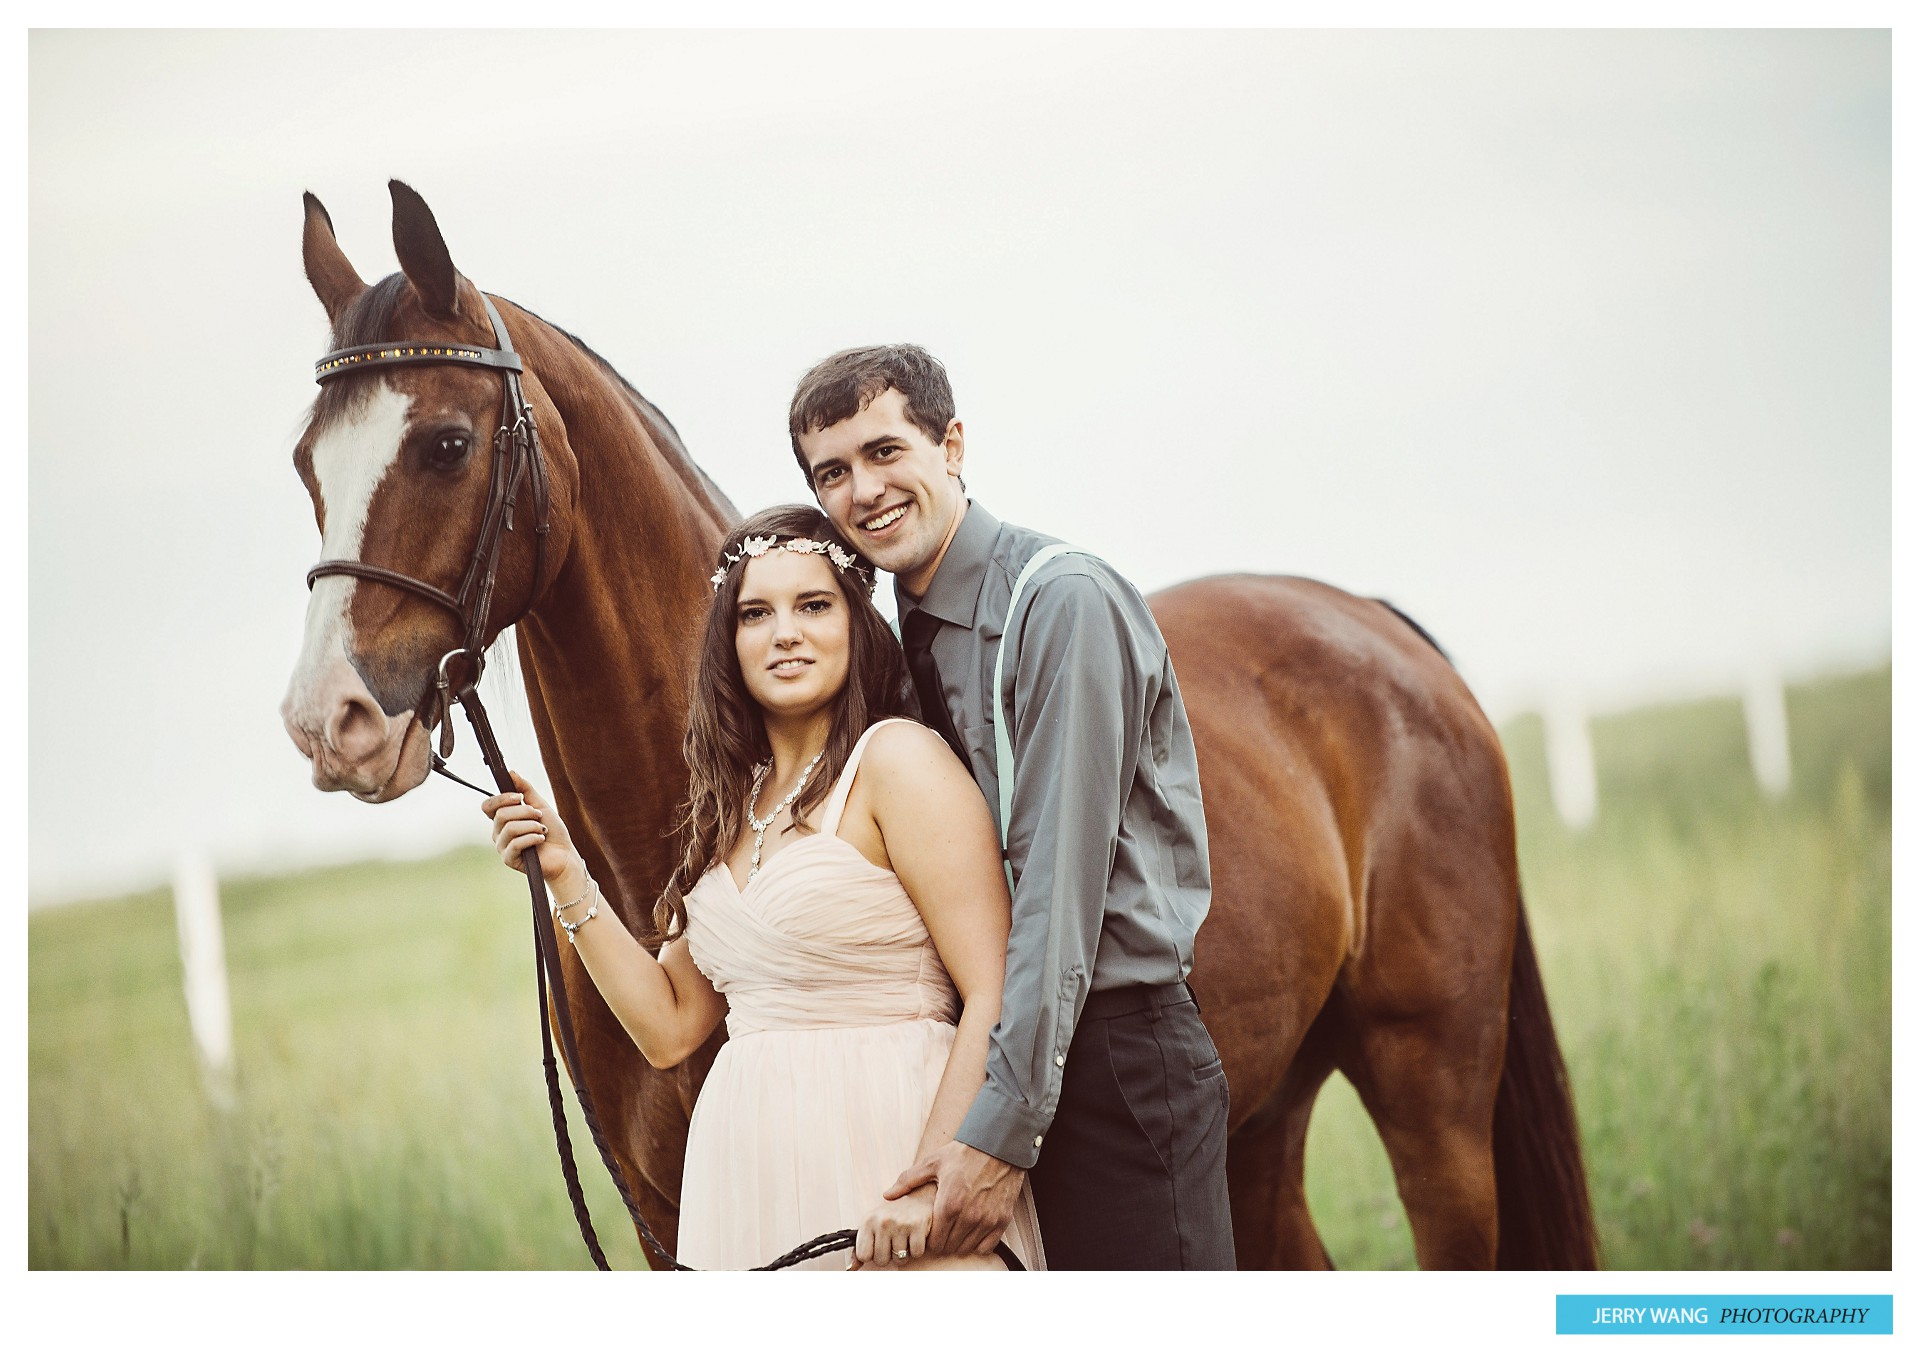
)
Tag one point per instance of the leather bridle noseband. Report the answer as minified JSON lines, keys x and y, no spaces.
{"x":516,"y":461}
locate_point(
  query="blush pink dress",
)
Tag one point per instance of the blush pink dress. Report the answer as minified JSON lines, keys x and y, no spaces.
{"x":840,"y":1018}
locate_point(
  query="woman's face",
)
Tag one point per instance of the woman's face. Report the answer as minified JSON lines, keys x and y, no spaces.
{"x":791,"y":632}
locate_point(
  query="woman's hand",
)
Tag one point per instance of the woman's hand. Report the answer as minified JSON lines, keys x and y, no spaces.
{"x":893,"y":1228}
{"x":525,"y":820}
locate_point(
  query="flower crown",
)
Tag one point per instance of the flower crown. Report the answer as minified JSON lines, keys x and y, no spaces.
{"x":755,"y":545}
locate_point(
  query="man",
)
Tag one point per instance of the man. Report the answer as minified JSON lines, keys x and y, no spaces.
{"x":1102,"y":1084}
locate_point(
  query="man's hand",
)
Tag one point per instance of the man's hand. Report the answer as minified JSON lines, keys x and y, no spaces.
{"x":973,"y":1197}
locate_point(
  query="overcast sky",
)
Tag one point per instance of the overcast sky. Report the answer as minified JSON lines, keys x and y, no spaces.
{"x":1574,"y":344}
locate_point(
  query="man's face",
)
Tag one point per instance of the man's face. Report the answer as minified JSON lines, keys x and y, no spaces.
{"x":888,"y":487}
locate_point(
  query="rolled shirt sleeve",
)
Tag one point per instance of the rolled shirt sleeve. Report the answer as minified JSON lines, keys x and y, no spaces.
{"x":1080,"y":705}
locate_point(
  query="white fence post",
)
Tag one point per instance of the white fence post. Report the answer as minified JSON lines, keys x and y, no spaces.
{"x":203,"y":962}
{"x":1570,"y":772}
{"x":1765,"y":700}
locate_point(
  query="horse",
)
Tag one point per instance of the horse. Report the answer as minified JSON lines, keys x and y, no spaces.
{"x":1366,"y":913}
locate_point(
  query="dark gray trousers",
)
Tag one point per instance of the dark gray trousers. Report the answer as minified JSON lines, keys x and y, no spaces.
{"x":1133,"y":1174}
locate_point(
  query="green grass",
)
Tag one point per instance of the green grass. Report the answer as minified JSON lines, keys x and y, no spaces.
{"x":390,"y":1109}
{"x":1719,"y":965}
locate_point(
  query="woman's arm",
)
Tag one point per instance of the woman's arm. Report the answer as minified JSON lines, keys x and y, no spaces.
{"x":667,"y":1006}
{"x":939,"y":840}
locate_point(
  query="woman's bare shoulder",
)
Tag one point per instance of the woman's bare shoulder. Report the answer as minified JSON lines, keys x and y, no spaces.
{"x":904,"y":751}
{"x":903,"y":743}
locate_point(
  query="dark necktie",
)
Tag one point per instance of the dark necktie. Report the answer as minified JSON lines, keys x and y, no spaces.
{"x":916,"y":635}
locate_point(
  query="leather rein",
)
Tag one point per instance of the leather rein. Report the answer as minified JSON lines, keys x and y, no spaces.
{"x":516,"y":463}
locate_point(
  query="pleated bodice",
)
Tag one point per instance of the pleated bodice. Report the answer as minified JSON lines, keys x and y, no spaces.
{"x":819,"y":938}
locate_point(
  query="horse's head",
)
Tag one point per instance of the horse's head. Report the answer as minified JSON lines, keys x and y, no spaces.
{"x":398,"y":459}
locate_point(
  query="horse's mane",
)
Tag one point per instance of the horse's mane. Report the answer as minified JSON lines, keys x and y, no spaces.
{"x":662,"y":427}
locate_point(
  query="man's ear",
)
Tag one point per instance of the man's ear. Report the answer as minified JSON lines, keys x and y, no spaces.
{"x":955,"y":448}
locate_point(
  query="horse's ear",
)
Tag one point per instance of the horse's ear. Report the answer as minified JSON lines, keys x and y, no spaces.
{"x":423,"y":253}
{"x":333,"y":277}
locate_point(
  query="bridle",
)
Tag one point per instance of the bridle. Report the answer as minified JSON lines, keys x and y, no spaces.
{"x":516,"y":461}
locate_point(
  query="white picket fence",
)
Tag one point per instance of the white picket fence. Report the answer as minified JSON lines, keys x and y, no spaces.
{"x":203,"y":964}
{"x":1765,"y":702}
{"x":1570,"y":768}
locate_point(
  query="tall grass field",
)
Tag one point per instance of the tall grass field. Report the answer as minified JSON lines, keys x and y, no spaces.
{"x":1719,"y":964}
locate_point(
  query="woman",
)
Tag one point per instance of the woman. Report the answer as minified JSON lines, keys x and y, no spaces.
{"x":839,"y":899}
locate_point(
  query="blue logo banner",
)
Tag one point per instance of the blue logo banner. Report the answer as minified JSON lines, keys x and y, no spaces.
{"x":1666,"y":1315}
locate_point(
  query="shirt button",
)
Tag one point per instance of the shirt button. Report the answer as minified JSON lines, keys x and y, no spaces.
{"x":1059,"y":1060}
{"x":1036,"y":1141}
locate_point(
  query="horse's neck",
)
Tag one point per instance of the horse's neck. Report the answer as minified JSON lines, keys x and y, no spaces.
{"x":606,"y":653}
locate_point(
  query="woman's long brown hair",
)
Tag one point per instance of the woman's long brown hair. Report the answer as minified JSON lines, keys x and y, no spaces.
{"x":726,"y":731}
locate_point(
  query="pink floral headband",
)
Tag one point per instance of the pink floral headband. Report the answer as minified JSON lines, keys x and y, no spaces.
{"x":755,"y":545}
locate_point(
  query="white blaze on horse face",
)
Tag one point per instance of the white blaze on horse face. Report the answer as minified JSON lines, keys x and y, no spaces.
{"x":350,"y":459}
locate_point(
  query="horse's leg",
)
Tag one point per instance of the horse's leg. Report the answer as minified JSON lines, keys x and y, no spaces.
{"x":1438,"y":1131}
{"x":633,"y":1121}
{"x":1427,"y":1016}
{"x":1263,"y":971}
{"x":1265,"y":964}
{"x":642,"y":1113}
{"x":1267,"y":1169}
{"x":661,"y":1213}
{"x":657,"y":1112}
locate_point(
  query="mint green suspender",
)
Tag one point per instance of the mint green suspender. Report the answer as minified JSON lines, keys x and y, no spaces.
{"x":1002,"y":736}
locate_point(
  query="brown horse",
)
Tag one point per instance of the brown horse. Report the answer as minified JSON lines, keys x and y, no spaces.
{"x":1366,"y":912}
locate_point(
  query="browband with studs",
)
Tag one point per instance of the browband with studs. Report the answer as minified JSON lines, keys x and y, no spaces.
{"x":397,"y":353}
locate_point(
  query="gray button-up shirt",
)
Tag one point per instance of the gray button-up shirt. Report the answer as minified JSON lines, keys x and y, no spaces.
{"x":1107,"y":841}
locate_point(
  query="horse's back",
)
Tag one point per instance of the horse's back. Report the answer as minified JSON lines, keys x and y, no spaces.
{"x":1293,"y":638}
{"x":1285,"y":677}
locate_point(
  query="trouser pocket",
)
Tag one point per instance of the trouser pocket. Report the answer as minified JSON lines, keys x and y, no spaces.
{"x":1133,"y":1173}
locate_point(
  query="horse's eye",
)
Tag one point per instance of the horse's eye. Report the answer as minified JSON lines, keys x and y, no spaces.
{"x":448,"y":450}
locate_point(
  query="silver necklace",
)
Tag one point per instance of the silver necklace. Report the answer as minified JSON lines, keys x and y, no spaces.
{"x":759,"y":827}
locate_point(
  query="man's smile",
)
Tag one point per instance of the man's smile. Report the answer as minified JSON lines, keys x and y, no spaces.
{"x":875,"y":525}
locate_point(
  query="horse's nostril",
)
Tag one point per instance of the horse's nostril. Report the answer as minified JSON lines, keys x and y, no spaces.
{"x":356,"y":729}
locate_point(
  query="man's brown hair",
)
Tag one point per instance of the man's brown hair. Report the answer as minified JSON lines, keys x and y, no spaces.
{"x":848,"y":381}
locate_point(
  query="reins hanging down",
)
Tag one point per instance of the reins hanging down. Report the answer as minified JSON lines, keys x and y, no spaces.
{"x":516,"y":463}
